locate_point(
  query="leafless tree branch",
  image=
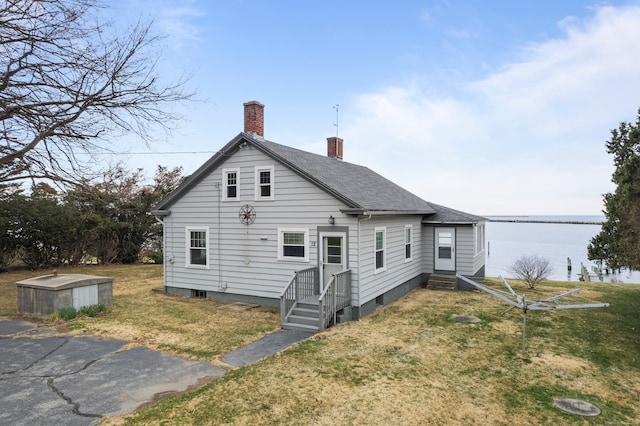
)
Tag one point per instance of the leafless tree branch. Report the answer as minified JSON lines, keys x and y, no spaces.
{"x":66,"y":83}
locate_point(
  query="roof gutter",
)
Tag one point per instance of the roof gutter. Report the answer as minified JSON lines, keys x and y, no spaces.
{"x":443,"y":222}
{"x":161,"y":213}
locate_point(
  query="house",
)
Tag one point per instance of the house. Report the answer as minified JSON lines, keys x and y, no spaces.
{"x":325,"y":239}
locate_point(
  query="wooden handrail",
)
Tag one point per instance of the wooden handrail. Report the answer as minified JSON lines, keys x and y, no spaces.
{"x":336,"y":296}
{"x":302,"y":285}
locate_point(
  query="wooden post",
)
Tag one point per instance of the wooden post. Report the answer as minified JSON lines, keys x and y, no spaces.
{"x":524,"y":324}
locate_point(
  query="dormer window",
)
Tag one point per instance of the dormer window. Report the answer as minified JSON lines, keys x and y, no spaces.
{"x":231,"y":184}
{"x":264,"y":183}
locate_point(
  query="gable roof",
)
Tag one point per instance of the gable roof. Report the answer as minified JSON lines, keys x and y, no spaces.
{"x":362,"y":190}
{"x":359,"y":187}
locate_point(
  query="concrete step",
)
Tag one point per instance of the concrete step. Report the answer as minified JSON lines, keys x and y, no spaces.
{"x":442,"y":282}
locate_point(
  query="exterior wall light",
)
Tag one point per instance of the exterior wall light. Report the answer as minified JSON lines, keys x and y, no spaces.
{"x":332,"y":220}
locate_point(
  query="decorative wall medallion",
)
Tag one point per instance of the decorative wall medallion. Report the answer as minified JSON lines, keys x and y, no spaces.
{"x":247,"y":214}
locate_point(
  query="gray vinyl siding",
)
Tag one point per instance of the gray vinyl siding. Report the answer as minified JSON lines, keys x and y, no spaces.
{"x":468,"y":262}
{"x":243,"y":259}
{"x":464,"y":250}
{"x":397,"y":270}
{"x":428,"y":247}
{"x":479,"y":258}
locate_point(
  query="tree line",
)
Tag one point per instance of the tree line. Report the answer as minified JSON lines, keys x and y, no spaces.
{"x":104,"y":221}
{"x":71,"y":83}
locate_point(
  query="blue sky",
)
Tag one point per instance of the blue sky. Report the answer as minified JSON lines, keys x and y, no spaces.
{"x":493,"y":107}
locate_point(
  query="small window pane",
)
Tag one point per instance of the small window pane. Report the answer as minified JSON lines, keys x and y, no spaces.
{"x":265,"y":191}
{"x":379,"y":259}
{"x":293,"y":238}
{"x":198,"y":256}
{"x":293,"y":251}
{"x":444,"y":252}
{"x":198,"y":239}
{"x":334,"y":241}
{"x":232,"y":191}
{"x":445,"y":238}
{"x":407,"y":251}
{"x":379,"y":240}
{"x":334,"y":251}
{"x":265,"y":178}
{"x":232,"y":178}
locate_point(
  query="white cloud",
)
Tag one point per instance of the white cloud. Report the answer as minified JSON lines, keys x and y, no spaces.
{"x":175,"y":20}
{"x":527,"y":139}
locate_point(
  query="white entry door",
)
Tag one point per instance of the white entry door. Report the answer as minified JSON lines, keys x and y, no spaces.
{"x":445,"y":249}
{"x":333,"y":255}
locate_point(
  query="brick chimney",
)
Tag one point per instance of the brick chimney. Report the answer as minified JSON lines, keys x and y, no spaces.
{"x":334,"y":147}
{"x":254,"y":118}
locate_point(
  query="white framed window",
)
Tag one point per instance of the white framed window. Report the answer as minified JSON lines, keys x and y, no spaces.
{"x":293,"y":244}
{"x":408,"y":243}
{"x":264,"y":183}
{"x":479,"y":236}
{"x":380,"y":245}
{"x":197,"y":244}
{"x":230,"y":184}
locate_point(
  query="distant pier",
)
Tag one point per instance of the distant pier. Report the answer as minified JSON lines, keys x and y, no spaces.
{"x":570,"y":220}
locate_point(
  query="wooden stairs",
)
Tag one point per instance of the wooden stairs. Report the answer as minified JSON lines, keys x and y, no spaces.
{"x":305,"y":316}
{"x":442,"y":282}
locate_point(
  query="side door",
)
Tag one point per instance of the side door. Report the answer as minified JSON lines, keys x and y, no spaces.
{"x":332,"y":255}
{"x":445,"y":249}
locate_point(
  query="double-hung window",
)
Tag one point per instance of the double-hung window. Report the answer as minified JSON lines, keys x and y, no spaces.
{"x":264,"y":183}
{"x":293,"y":244}
{"x":408,"y":241}
{"x":380,"y":249}
{"x":231,"y":184}
{"x":197,"y":243}
{"x":480,"y":237}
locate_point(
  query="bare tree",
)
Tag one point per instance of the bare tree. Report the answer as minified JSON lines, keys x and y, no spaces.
{"x":531,"y":269}
{"x":67,"y":81}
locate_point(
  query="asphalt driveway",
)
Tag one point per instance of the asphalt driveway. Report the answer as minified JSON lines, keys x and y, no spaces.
{"x":75,"y":380}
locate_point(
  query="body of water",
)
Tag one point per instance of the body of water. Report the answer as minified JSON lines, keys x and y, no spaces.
{"x":554,"y":237}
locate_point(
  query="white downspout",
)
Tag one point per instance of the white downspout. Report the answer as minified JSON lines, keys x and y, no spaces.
{"x":164,"y":253}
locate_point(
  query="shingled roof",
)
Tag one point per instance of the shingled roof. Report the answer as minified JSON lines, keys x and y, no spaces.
{"x":361,"y":189}
{"x":450,"y":216}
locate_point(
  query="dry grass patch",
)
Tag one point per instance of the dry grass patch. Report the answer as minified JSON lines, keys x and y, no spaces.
{"x":193,"y":328}
{"x":9,"y":292}
{"x":409,"y":363}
